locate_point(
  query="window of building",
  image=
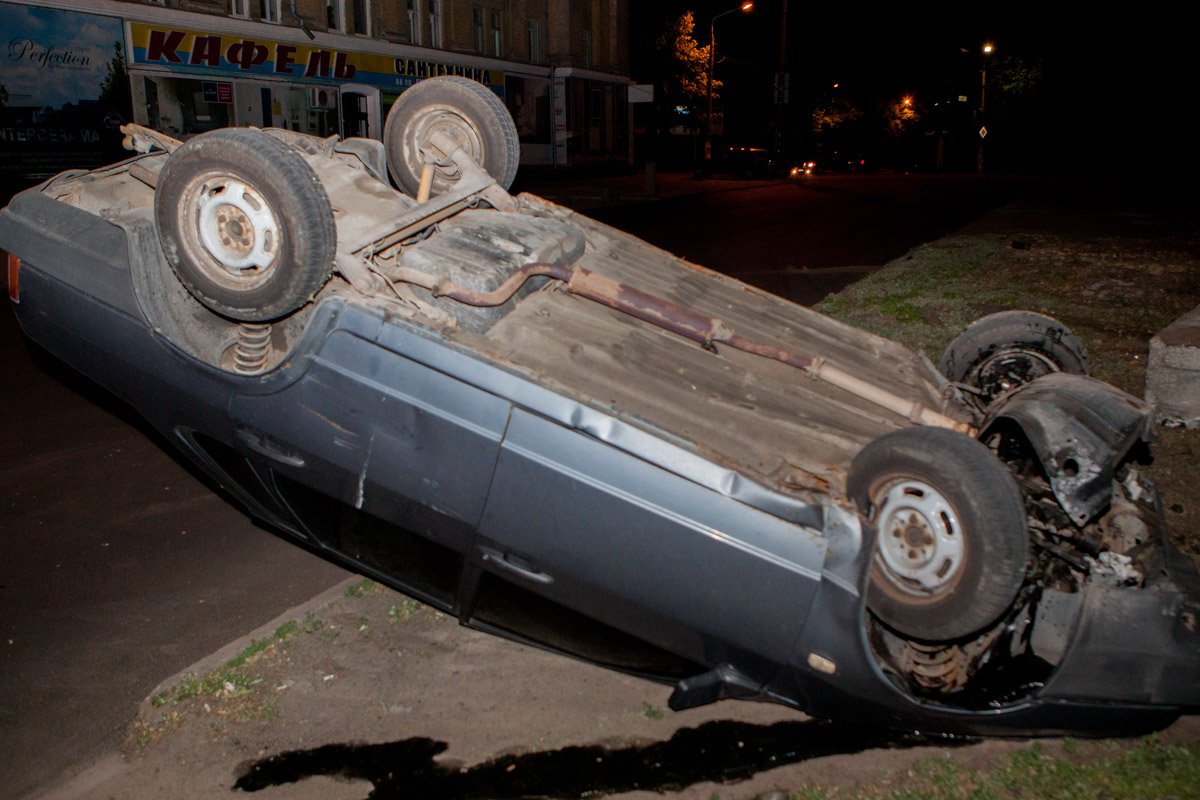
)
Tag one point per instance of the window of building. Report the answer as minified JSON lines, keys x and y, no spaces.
{"x":414,"y":20}
{"x":335,"y":15}
{"x":362,"y":17}
{"x":268,"y":11}
{"x":435,"y":23}
{"x":477,"y":19}
{"x":535,"y":42}
{"x":497,"y":35}
{"x":587,"y":48}
{"x":239,"y":8}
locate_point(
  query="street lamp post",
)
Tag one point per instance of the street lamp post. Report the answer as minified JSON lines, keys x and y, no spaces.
{"x":745,"y":8}
{"x":988,"y":49}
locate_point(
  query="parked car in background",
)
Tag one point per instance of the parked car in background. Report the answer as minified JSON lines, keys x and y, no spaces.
{"x":749,"y":161}
{"x":560,"y":434}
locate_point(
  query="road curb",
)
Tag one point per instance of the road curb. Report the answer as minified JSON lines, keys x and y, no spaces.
{"x":227,"y":651}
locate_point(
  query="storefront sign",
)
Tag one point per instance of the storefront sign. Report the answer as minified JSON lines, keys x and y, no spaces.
{"x":63,"y":89}
{"x":201,"y":52}
{"x":215,"y":92}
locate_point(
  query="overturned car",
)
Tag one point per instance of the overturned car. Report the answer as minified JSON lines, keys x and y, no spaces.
{"x":563,"y":435}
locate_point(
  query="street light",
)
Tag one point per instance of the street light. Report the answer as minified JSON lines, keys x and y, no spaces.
{"x":988,"y":49}
{"x":745,"y":8}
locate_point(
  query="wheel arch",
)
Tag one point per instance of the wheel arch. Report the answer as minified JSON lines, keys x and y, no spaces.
{"x":1079,"y":429}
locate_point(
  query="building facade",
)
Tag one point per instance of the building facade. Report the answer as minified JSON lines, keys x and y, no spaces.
{"x":318,"y":66}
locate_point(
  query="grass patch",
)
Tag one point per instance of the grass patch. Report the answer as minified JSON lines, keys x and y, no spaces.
{"x":652,"y":711}
{"x":1114,"y":291}
{"x":231,"y":691}
{"x":403,"y":610}
{"x":1147,"y":770}
{"x":365,"y":586}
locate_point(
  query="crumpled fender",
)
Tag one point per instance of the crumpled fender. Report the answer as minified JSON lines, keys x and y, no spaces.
{"x":1081,"y":429}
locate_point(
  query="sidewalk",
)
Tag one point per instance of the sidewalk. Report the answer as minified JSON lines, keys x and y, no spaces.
{"x":361,"y":692}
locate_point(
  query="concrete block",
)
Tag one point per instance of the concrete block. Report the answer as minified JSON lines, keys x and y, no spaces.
{"x":1173,"y":372}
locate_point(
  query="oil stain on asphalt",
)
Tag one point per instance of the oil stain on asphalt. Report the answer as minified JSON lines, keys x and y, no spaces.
{"x":716,"y":751}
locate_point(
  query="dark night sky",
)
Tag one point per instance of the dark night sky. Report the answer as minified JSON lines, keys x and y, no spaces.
{"x":1116,"y":88}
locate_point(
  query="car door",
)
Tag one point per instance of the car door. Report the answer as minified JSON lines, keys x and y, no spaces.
{"x":385,"y":460}
{"x":599,"y":531}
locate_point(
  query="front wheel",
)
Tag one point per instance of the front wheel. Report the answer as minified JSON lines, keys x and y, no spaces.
{"x":952,"y":540}
{"x":1002,"y":351}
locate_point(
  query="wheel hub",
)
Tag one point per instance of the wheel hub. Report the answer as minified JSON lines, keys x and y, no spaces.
{"x":921,"y":545}
{"x":237,"y":227}
{"x":1012,"y":368}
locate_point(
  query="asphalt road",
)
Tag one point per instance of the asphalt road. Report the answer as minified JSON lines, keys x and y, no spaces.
{"x":805,"y":239}
{"x":120,"y":566}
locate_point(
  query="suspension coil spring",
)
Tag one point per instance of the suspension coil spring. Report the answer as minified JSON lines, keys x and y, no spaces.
{"x":252,"y":348}
{"x":938,"y":667}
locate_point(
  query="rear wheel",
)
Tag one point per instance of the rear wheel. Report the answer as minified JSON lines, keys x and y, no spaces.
{"x":245,"y":224}
{"x":467,"y":112}
{"x":952,"y":541}
{"x":1002,"y":351}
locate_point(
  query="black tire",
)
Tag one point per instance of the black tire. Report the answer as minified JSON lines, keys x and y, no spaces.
{"x":952,"y":538}
{"x":466,"y":111}
{"x":245,"y":224}
{"x":1001,"y":351}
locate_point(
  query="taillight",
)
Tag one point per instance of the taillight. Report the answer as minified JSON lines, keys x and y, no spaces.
{"x":14,"y":268}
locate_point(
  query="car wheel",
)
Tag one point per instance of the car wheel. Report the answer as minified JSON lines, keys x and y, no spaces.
{"x":245,"y":224}
{"x":466,"y":111}
{"x":1002,"y":351}
{"x":952,"y":540}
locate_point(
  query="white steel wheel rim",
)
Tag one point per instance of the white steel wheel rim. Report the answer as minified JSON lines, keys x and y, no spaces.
{"x":921,"y":542}
{"x":237,"y":227}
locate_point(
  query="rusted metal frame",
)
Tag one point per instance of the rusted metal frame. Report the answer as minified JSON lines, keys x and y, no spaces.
{"x":689,"y":323}
{"x":474,"y":184}
{"x":141,"y":139}
{"x":422,"y":216}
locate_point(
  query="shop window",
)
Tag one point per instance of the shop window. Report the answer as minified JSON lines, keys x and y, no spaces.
{"x":268,"y":11}
{"x":239,"y":8}
{"x":362,"y":17}
{"x":477,"y":19}
{"x":535,"y":42}
{"x":435,"y":23}
{"x":497,"y":33}
{"x":414,"y":21}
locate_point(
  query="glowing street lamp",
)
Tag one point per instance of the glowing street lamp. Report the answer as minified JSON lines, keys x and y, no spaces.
{"x":746,"y":7}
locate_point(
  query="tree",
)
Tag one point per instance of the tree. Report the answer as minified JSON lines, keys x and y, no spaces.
{"x":835,"y":114}
{"x":901,"y":116}
{"x":683,"y":67}
{"x":115,"y":97}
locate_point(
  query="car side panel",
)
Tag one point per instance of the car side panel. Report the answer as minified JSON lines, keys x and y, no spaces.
{"x":616,"y":537}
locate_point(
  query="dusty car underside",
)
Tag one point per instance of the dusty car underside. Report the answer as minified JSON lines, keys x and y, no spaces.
{"x":769,"y":404}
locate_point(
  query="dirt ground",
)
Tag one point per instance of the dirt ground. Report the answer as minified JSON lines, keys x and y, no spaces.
{"x":361,"y":693}
{"x":371,"y":695}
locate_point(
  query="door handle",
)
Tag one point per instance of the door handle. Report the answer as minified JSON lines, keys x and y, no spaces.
{"x":266,"y":446}
{"x":516,"y":565}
